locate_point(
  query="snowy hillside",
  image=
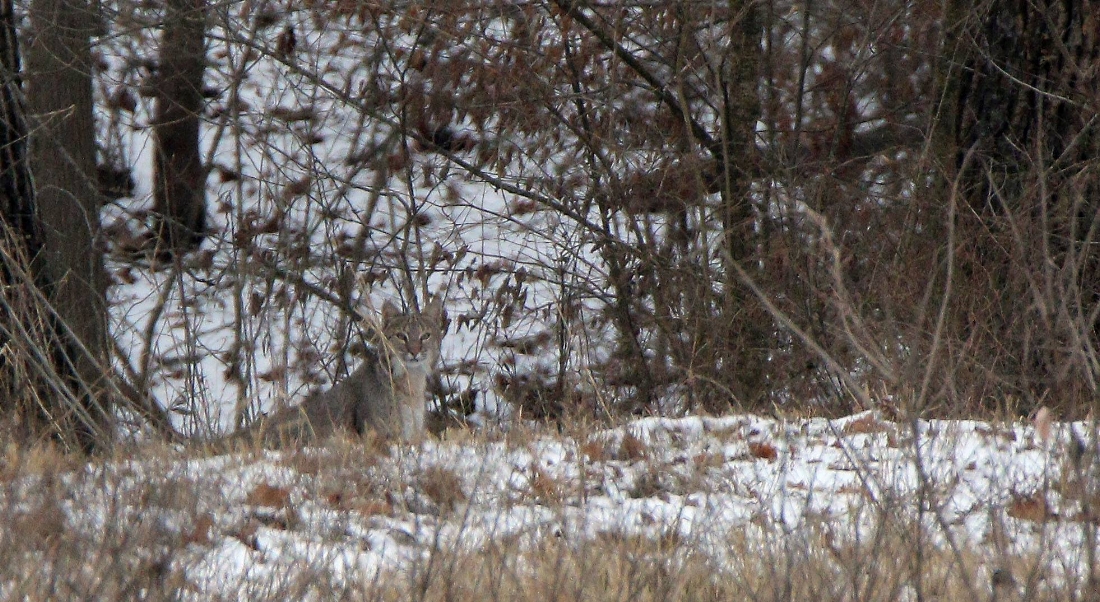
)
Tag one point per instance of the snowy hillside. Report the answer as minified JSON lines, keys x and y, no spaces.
{"x":330,"y":189}
{"x":734,"y":506}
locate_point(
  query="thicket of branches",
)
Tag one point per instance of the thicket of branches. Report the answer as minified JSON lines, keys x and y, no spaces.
{"x":633,"y":207}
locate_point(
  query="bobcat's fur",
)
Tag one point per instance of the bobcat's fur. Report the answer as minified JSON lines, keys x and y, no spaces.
{"x":386,"y":394}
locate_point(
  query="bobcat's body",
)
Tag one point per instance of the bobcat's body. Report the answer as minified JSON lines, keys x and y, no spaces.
{"x":386,"y":394}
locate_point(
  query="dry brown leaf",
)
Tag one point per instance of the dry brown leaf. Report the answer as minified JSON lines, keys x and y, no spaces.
{"x":270,"y":496}
{"x":763,"y":451}
{"x":1033,"y":508}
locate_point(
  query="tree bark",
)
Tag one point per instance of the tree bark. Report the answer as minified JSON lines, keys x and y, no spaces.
{"x":15,"y":179}
{"x":62,"y":152}
{"x":179,"y":201}
{"x":745,"y":329}
{"x":1021,"y":92}
{"x":20,"y":236}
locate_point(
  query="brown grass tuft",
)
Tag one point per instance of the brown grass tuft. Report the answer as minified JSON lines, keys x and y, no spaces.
{"x":443,"y":487}
{"x":631,"y":448}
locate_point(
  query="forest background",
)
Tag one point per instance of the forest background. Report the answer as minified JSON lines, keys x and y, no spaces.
{"x":631,"y":207}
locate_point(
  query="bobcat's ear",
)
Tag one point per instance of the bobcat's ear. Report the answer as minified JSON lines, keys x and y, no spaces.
{"x":435,"y":307}
{"x":436,"y":313}
{"x":389,"y":310}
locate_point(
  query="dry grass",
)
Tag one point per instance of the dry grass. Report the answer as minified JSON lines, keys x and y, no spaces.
{"x":120,"y":557}
{"x":126,"y":528}
{"x":768,"y":565}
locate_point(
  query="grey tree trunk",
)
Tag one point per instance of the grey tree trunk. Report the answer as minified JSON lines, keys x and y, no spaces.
{"x":62,"y":153}
{"x":745,"y":333}
{"x":179,"y":203}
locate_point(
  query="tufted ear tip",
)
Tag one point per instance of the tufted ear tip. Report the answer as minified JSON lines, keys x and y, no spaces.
{"x":435,"y":307}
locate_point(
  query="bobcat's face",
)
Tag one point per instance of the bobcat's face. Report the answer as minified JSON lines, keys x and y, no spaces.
{"x":414,"y":337}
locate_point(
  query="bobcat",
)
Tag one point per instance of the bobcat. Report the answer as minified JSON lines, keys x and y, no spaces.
{"x":385,"y":394}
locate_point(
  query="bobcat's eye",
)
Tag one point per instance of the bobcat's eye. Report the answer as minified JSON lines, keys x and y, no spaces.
{"x":402,"y":336}
{"x":425,"y":336}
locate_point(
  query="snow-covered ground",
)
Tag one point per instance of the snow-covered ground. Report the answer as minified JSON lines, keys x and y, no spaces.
{"x":348,"y":519}
{"x":353,"y":518}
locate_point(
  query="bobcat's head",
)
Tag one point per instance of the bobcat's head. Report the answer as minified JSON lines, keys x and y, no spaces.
{"x":413,"y":337}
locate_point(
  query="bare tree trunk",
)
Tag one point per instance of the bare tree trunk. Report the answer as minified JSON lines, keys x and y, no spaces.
{"x":15,"y":178}
{"x":179,"y":176}
{"x":20,"y":236}
{"x":745,"y":329}
{"x":62,"y":150}
{"x":1021,"y":102}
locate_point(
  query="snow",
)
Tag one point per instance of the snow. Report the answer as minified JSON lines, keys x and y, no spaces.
{"x":352,"y":515}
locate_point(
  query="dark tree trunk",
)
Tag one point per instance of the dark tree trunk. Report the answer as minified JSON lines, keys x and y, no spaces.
{"x":15,"y":178}
{"x":743,"y":336}
{"x":179,"y":177}
{"x":62,"y":152}
{"x":1020,"y":103}
{"x":20,"y":239}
